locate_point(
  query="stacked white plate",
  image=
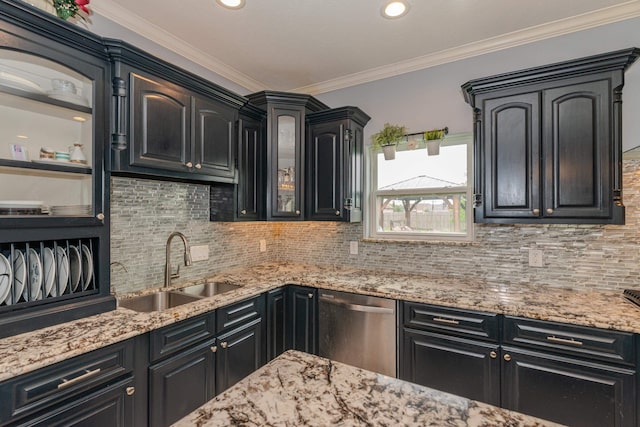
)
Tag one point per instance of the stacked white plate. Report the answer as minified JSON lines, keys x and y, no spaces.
{"x":20,"y":207}
{"x":70,"y":210}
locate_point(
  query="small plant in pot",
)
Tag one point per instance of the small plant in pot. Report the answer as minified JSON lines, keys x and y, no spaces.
{"x":433,"y":138}
{"x":387,"y":139}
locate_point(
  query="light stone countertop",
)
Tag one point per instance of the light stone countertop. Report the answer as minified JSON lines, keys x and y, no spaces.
{"x":609,"y":310}
{"x":301,"y":389}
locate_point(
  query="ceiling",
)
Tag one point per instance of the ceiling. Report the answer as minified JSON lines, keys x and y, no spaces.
{"x":316,"y":46}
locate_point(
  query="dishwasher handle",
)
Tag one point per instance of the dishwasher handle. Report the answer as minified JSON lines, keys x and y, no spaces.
{"x":356,"y":307}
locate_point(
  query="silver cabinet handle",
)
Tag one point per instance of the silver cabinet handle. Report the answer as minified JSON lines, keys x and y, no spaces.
{"x":189,"y":164}
{"x":337,"y":213}
{"x":549,"y":211}
{"x":507,"y":357}
{"x":564,"y":340}
{"x":243,"y":212}
{"x":100,"y":216}
{"x":310,"y":295}
{"x":493,"y":355}
{"x":536,"y":211}
{"x":198,"y":166}
{"x":130,"y":391}
{"x":298,"y":212}
{"x":214,"y":349}
{"x":358,"y":307}
{"x":68,"y":383}
{"x":223,"y":344}
{"x":444,"y":320}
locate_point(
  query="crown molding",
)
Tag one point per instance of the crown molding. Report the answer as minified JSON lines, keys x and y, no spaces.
{"x":144,"y":28}
{"x":116,"y":13}
{"x":628,"y":10}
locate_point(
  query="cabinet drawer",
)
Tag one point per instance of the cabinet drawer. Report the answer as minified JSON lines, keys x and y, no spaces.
{"x":593,"y":343}
{"x":236,"y":314}
{"x":48,"y":386}
{"x":173,"y":338}
{"x":451,"y":321}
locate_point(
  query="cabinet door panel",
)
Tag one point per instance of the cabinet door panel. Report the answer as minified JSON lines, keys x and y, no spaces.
{"x":576,"y":144}
{"x":303,"y":315}
{"x":326,"y":159}
{"x":160,"y":122}
{"x":277,"y":324}
{"x":250,"y":180}
{"x":512,"y":157}
{"x":568,"y":391}
{"x":214,"y":140}
{"x":240,"y":352}
{"x":180,"y":384}
{"x":450,"y":364}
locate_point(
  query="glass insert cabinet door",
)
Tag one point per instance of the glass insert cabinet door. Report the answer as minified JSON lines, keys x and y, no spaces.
{"x":287,"y":137}
{"x":47,"y":138}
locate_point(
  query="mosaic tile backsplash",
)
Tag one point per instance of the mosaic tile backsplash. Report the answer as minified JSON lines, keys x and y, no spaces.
{"x":145,"y":212}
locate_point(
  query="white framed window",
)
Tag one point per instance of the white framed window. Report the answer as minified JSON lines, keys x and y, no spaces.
{"x":419,"y":196}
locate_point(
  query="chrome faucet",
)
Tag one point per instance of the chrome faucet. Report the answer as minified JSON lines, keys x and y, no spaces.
{"x":167,"y":266}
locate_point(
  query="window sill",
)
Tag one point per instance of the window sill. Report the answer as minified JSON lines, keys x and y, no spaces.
{"x":421,"y":241}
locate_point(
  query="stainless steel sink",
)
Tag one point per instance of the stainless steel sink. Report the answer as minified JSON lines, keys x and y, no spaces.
{"x":209,"y":289}
{"x":157,"y":302}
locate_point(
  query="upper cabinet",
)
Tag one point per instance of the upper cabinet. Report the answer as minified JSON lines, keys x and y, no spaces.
{"x":54,"y":242}
{"x":334,"y":158}
{"x":548,"y":143}
{"x":285,"y":150}
{"x":168,"y":123}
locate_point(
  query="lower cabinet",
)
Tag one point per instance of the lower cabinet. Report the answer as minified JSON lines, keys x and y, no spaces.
{"x":240,"y":352}
{"x":456,"y":365}
{"x":106,"y":387}
{"x":292,"y":313}
{"x":574,"y":375}
{"x":181,"y":383}
{"x":568,"y":391}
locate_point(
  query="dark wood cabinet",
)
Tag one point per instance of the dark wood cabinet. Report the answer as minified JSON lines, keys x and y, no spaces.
{"x":452,"y":350}
{"x":335,"y":164}
{"x":105,"y":387}
{"x":456,"y":365}
{"x":181,"y":383}
{"x":277,"y":322}
{"x":302,"y":312}
{"x":168,"y":123}
{"x":548,"y":142}
{"x":240,"y":352}
{"x":568,"y":391}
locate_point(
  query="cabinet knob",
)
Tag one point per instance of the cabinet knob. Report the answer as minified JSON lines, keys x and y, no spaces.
{"x":189,"y":164}
{"x":507,"y":357}
{"x":223,"y":344}
{"x":337,"y":213}
{"x":493,"y":355}
{"x":198,"y":166}
{"x":549,"y":211}
{"x":243,"y":212}
{"x":100,"y":216}
{"x":536,"y":211}
{"x":298,"y":212}
{"x":130,"y":390}
{"x":310,"y":295}
{"x":214,"y":348}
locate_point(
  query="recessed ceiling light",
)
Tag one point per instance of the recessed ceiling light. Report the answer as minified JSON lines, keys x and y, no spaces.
{"x":395,"y":9}
{"x":22,"y":136}
{"x":231,"y":4}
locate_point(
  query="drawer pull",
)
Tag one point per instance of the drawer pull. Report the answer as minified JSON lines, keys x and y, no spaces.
{"x":223,"y":344}
{"x":564,"y":340}
{"x":130,"y":391}
{"x":443,"y":320}
{"x":493,"y":355}
{"x":68,"y":383}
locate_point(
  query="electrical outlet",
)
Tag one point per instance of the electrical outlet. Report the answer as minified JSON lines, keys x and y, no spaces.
{"x":263,"y":245}
{"x":199,"y":253}
{"x":353,"y":247}
{"x":535,"y":258}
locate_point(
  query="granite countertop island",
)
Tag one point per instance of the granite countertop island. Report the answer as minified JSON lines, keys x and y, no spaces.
{"x":304,"y":390}
{"x":608,"y":310}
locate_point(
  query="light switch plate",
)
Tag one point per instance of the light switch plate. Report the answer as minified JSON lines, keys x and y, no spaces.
{"x":535,"y":258}
{"x":353,"y":247}
{"x":263,"y":245}
{"x":199,"y":253}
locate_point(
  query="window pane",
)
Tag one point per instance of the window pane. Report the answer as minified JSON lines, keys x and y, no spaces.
{"x":415,"y":169}
{"x":441,"y":213}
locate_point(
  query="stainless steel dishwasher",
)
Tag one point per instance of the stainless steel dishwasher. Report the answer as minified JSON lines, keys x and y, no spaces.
{"x":358,"y":330}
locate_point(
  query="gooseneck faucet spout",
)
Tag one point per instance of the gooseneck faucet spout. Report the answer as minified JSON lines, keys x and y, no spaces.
{"x":167,"y":266}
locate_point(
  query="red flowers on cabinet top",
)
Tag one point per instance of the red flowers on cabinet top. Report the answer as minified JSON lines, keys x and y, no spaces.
{"x":66,"y":9}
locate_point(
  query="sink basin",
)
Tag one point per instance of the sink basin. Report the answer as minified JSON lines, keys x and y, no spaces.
{"x":209,"y":289}
{"x":157,"y":302}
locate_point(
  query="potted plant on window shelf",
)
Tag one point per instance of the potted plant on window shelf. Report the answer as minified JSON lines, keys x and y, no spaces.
{"x":387,"y":139}
{"x":433,"y":138}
